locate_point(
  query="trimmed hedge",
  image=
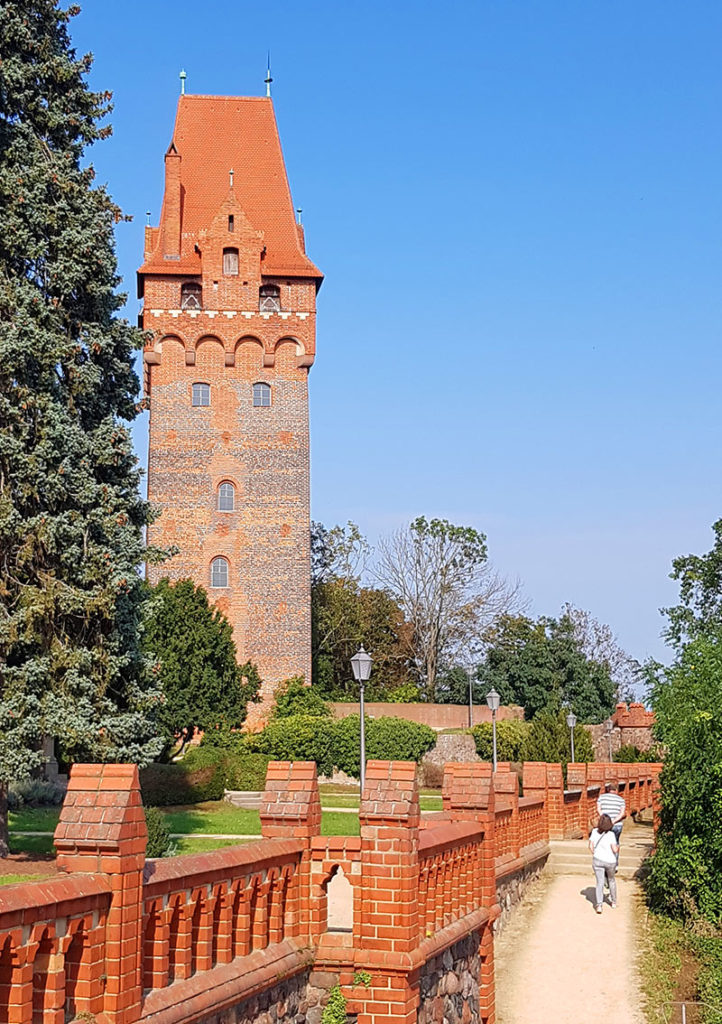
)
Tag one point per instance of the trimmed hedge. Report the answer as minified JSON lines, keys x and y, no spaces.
{"x":159,"y":841}
{"x":336,"y":745}
{"x":203,"y":774}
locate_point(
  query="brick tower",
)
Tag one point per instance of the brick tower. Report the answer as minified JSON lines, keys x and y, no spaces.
{"x":230,"y":297}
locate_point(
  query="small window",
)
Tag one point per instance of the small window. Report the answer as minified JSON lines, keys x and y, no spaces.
{"x":262,"y":395}
{"x":230,"y":262}
{"x":201,"y":394}
{"x":269,"y":299}
{"x":230,"y":222}
{"x":219,"y":572}
{"x":226,"y":497}
{"x":191,"y":295}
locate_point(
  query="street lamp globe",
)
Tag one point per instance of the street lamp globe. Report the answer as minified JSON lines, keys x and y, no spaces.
{"x":493,"y":700}
{"x":571,"y":719}
{"x":361,"y":666}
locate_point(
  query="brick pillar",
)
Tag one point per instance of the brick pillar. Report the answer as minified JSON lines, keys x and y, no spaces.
{"x":534,"y":783}
{"x":555,"y":795}
{"x":468,"y":795}
{"x":655,"y":771}
{"x":291,"y":809}
{"x":577,"y":780}
{"x":506,"y":795}
{"x":102,"y":829}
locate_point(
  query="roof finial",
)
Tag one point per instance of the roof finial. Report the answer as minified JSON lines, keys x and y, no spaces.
{"x":299,"y":215}
{"x":182,"y":77}
{"x":230,"y":175}
{"x":268,"y":78}
{"x":147,"y":218}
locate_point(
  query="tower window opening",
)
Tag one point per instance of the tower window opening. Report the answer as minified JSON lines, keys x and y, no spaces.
{"x":269,"y":298}
{"x":201,"y":394}
{"x":226,"y":497}
{"x":191,"y":295}
{"x":219,"y":572}
{"x":230,"y":262}
{"x":230,"y":222}
{"x":262,"y":395}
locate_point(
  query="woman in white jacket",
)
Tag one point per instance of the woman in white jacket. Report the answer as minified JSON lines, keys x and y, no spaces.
{"x":604,"y":860}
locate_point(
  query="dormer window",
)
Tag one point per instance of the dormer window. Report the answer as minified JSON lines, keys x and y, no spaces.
{"x":191,"y":295}
{"x":230,"y":262}
{"x":269,"y":299}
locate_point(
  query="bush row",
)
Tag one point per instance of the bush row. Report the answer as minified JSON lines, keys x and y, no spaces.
{"x":203,"y":774}
{"x":544,"y":738}
{"x":335,"y":744}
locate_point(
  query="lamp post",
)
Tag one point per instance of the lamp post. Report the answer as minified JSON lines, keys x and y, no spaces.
{"x":493,"y":700}
{"x":361,"y":666}
{"x":571,"y":722}
{"x":471,"y":698}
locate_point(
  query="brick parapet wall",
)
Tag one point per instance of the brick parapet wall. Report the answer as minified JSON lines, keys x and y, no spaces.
{"x":227,"y":935}
{"x":437,"y":716}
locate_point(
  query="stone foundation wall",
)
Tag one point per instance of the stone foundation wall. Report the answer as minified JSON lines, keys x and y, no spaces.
{"x":510,"y":888}
{"x":285,"y":1003}
{"x":449,"y":985}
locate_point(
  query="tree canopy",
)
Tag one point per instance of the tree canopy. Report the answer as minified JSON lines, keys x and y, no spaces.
{"x":71,"y":518}
{"x":191,"y":644}
{"x":540,"y":664}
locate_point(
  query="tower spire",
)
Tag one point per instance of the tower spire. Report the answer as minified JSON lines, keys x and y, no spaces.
{"x":182,"y":77}
{"x":268,"y":78}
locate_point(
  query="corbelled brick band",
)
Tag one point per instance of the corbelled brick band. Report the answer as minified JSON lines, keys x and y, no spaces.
{"x":243,"y":931}
{"x":230,"y":299}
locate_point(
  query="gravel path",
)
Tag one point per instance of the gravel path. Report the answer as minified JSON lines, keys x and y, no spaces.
{"x":558,"y":962}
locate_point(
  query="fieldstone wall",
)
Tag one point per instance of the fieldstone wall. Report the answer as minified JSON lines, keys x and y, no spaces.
{"x":510,"y":888}
{"x":285,"y":1003}
{"x":449,"y":985}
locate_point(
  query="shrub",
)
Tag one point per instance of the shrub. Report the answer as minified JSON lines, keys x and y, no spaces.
{"x":336,"y":744}
{"x":295,"y":698}
{"x":198,"y":777}
{"x":246,"y":771}
{"x":512,"y":738}
{"x":35,"y":793}
{"x":549,"y":740}
{"x":629,"y":754}
{"x":159,"y":840}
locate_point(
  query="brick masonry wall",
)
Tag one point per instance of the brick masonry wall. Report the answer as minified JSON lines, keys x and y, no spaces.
{"x":449,"y":985}
{"x":263,"y":452}
{"x":438,"y":716}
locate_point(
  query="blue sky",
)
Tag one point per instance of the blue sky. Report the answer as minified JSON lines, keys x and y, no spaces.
{"x":517,"y":207}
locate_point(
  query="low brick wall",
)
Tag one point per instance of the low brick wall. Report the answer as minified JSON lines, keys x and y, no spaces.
{"x":438,"y":716}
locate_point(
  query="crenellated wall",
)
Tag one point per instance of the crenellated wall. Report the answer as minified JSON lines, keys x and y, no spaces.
{"x":401,"y":917}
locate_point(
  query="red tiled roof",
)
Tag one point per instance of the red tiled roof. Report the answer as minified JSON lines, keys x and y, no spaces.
{"x":212,"y":135}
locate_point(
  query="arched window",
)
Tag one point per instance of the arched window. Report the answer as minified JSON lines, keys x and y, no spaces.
{"x":201,"y":394}
{"x":230,"y":262}
{"x":262,"y":395}
{"x":219,"y":572}
{"x":191,"y":295}
{"x":226,"y":497}
{"x":269,"y":299}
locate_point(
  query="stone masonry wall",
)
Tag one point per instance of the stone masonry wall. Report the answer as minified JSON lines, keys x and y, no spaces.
{"x":450,"y":985}
{"x":285,"y":1003}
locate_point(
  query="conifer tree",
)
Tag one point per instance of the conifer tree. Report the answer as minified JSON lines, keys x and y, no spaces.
{"x":71,"y":518}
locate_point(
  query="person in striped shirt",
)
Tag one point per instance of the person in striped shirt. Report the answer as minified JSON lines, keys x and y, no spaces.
{"x":611,"y":803}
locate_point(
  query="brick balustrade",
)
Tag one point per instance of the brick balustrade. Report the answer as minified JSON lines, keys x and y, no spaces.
{"x":124,"y":939}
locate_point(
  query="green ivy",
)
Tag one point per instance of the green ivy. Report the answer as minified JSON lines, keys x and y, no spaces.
{"x":334,"y":1012}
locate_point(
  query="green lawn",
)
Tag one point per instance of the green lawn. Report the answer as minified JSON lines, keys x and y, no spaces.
{"x":213,"y":816}
{"x":430,"y":802}
{"x":31,"y":844}
{"x":34,"y":819}
{"x":12,"y":879}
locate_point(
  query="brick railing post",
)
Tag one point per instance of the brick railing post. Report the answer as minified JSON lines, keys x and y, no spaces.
{"x":534,"y":783}
{"x":577,"y":780}
{"x":555,"y":794}
{"x":102,"y":829}
{"x":655,"y":771}
{"x":291,"y":809}
{"x":468,"y":795}
{"x":506,"y":794}
{"x":389,"y":926}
